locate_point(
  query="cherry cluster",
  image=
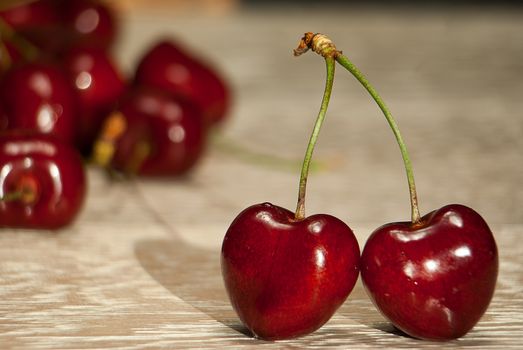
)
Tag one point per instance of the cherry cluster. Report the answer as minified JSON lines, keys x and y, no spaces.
{"x":64,"y":100}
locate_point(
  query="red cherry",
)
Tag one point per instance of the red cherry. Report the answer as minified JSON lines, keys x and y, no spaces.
{"x":433,"y":280}
{"x":38,"y":96}
{"x":161,"y":135}
{"x":285,"y":273}
{"x":89,"y":23}
{"x":98,"y":84}
{"x":42,"y":181}
{"x":286,"y":277}
{"x":169,"y":67}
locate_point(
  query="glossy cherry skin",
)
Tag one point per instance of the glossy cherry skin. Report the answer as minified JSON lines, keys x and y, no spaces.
{"x":172,"y":129}
{"x":98,"y":84}
{"x":286,"y":278}
{"x":38,"y":96}
{"x":53,"y":172}
{"x":168,"y":66}
{"x":435,"y":280}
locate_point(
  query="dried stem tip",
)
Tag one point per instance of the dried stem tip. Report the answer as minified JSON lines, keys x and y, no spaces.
{"x":318,"y":43}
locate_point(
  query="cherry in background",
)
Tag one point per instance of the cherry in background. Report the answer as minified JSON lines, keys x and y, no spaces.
{"x":86,"y":29}
{"x":38,"y":22}
{"x":54,"y":26}
{"x":14,"y":22}
{"x":89,"y":23}
{"x":170,"y":67}
{"x":31,"y":14}
{"x":153,"y":133}
{"x":98,"y":84}
{"x":38,"y":96}
{"x":42,"y":181}
{"x":89,"y":28}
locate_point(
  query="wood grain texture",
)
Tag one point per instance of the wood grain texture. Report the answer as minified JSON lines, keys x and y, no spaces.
{"x":139,"y":269}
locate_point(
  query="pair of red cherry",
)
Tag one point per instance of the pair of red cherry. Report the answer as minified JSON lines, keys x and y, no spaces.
{"x":286,"y":274}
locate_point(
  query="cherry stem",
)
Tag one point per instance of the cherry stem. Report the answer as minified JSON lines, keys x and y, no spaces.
{"x":323,"y":46}
{"x":300,"y":208}
{"x":141,"y":151}
{"x":6,"y":61}
{"x":230,"y":147}
{"x":27,"y":49}
{"x":12,"y":196}
{"x":347,"y":64}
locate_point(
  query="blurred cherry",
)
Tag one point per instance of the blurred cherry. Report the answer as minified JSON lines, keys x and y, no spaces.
{"x":38,"y":96}
{"x":98,"y":84}
{"x":89,"y":23}
{"x":153,"y":133}
{"x":42,"y":181}
{"x":166,"y":65}
{"x":31,"y":14}
{"x":38,"y":22}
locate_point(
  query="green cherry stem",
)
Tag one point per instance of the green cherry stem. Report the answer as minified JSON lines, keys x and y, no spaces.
{"x":12,"y":196}
{"x":5,"y":61}
{"x":26,"y":195}
{"x":28,"y":50}
{"x":322,"y":45}
{"x":300,"y":208}
{"x":347,"y":64}
{"x":230,"y":147}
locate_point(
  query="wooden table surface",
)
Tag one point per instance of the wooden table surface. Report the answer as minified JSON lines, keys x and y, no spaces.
{"x":139,"y":269}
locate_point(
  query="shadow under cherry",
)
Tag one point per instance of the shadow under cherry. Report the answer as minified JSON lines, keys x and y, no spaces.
{"x":192,"y":274}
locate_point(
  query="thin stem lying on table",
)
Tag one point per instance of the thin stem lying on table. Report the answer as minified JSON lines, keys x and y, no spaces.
{"x":231,"y":147}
